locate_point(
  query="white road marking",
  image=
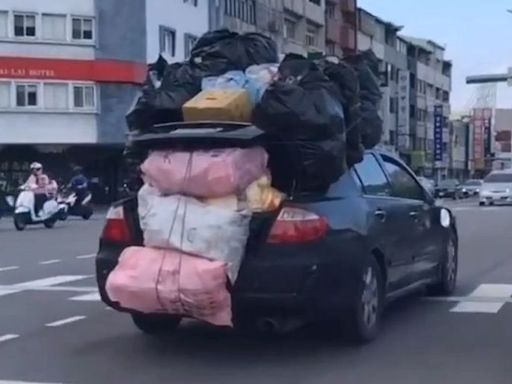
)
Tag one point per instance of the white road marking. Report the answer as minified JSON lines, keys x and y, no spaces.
{"x":65,"y":321}
{"x":12,"y":268}
{"x":86,"y":256}
{"x":486,"y":298}
{"x":94,"y":296}
{"x":7,"y":338}
{"x":50,"y":262}
{"x":22,"y":382}
{"x":477,"y":307}
{"x":46,"y":284}
{"x":50,"y":281}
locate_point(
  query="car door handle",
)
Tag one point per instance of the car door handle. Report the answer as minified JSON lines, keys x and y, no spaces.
{"x":414,"y":215}
{"x":381,"y":214}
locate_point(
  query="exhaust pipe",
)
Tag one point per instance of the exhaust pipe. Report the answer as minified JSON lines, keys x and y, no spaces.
{"x":278,"y":325}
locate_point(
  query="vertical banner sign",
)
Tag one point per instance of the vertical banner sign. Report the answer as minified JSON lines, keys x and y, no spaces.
{"x":478,"y":138}
{"x":487,"y":117}
{"x":438,"y":133}
{"x":403,"y":110}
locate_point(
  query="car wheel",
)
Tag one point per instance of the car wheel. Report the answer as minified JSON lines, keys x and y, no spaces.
{"x":449,"y":266}
{"x":87,"y":213}
{"x":363,"y":321}
{"x":481,"y":203}
{"x":156,"y":324}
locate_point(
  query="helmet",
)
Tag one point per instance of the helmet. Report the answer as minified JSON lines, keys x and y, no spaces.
{"x":36,"y":165}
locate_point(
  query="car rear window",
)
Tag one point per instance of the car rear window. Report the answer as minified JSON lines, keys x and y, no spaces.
{"x":471,"y":183}
{"x":499,"y":178}
{"x":448,"y":183}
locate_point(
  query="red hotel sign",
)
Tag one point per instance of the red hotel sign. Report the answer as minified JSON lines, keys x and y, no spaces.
{"x":105,"y":71}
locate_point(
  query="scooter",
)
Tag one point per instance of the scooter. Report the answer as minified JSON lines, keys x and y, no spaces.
{"x":24,"y":211}
{"x":81,"y":209}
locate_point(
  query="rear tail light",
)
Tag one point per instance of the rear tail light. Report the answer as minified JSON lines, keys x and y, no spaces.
{"x":295,"y":225}
{"x":116,"y":228}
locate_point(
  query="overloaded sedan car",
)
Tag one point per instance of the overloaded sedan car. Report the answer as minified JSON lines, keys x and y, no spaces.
{"x":331,"y":257}
{"x":496,"y":188}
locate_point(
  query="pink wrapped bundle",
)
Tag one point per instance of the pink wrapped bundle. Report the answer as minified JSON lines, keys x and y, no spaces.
{"x":153,"y":280}
{"x":213,"y":173}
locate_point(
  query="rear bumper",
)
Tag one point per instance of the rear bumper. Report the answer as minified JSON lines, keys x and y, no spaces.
{"x":496,"y":198}
{"x":312,"y":281}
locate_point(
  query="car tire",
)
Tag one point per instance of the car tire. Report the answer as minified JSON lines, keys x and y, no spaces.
{"x":449,"y":266}
{"x":156,"y":324}
{"x":87,"y":213}
{"x":362,"y":323}
{"x":481,"y":203}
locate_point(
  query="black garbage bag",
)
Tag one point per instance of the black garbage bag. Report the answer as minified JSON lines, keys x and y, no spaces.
{"x":180,"y":83}
{"x":220,"y":51}
{"x":303,"y":104}
{"x":371,"y":124}
{"x":366,"y":65}
{"x":346,"y":78}
{"x":320,"y":163}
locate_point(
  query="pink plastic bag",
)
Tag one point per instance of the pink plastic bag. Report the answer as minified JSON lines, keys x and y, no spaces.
{"x":153,"y":280}
{"x":214,"y":173}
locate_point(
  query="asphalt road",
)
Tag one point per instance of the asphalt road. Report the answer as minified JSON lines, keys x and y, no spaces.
{"x":53,"y":328}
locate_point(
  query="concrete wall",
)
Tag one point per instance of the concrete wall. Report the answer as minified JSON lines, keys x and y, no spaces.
{"x":182,"y":17}
{"x":121,"y":30}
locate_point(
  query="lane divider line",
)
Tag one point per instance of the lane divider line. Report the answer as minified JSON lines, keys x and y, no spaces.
{"x":50,"y":262}
{"x":90,"y":256}
{"x":8,"y":337}
{"x":94,"y":296}
{"x":11,"y":268}
{"x":69,"y":320}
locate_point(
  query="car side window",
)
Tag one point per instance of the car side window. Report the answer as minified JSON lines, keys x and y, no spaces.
{"x":372,"y":177}
{"x":403,"y":184}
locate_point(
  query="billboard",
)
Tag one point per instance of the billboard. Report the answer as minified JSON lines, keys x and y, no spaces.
{"x":438,"y":132}
{"x":481,"y":121}
{"x":403,"y":95}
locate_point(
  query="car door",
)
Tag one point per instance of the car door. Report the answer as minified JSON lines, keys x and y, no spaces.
{"x":385,"y":225}
{"x":420,"y":237}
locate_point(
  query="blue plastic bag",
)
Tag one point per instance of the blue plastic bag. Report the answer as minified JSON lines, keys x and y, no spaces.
{"x":259,"y":77}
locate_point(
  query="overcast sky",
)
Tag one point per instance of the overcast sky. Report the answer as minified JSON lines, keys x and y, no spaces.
{"x":477,"y":35}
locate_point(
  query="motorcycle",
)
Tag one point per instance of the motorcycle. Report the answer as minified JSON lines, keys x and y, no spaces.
{"x":74,"y":207}
{"x":24,"y":211}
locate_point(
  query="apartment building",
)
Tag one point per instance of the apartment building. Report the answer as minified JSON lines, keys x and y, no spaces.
{"x":382,"y":37}
{"x":431,"y":85}
{"x":69,"y":72}
{"x":297,"y":26}
{"x":340,"y":27}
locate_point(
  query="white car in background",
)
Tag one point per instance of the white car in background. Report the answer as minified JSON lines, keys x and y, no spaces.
{"x":496,"y":188}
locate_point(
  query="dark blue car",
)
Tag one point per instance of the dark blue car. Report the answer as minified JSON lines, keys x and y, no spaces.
{"x":334,"y":257}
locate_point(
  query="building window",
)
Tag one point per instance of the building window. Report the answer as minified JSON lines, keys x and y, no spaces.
{"x":190,"y":41}
{"x":56,"y":96}
{"x":84,"y":96}
{"x":412,"y":111}
{"x":4,"y":17}
{"x":446,"y":96}
{"x":5,"y":95}
{"x":54,"y":27}
{"x":244,"y":10}
{"x":289,"y":29}
{"x":168,"y":40}
{"x":26,"y":95}
{"x":330,"y":10}
{"x":24,"y":25}
{"x":330,"y":48}
{"x":317,"y":2}
{"x":82,"y":28}
{"x":311,"y":34}
{"x":191,"y":2}
{"x":393,"y":105}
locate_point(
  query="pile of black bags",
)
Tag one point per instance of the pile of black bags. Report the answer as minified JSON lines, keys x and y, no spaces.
{"x":168,"y":87}
{"x":323,"y":113}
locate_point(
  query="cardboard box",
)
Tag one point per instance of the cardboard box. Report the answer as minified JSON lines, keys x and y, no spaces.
{"x":219,"y":105}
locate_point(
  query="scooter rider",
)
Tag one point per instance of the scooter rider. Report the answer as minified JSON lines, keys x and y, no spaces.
{"x":79,"y":184}
{"x":38,"y":183}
